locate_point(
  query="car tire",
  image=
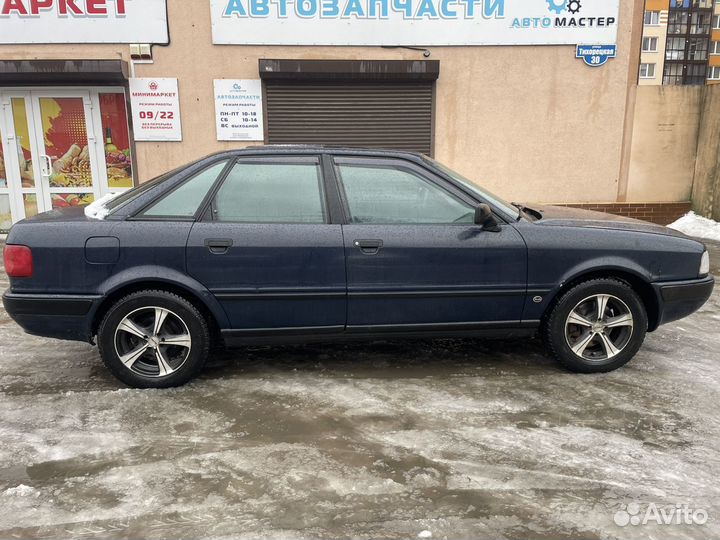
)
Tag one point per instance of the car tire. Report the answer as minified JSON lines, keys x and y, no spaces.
{"x":144,"y":355}
{"x":596,"y":326}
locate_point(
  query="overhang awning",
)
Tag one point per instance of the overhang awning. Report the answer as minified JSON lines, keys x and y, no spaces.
{"x":57,"y":72}
{"x":349,"y":70}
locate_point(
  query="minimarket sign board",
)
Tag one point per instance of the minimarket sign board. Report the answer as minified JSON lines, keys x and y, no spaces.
{"x":83,"y":21}
{"x":414,"y":22}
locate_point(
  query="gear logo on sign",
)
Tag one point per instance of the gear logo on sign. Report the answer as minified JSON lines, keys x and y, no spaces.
{"x":558,"y":6}
{"x":574,"y":6}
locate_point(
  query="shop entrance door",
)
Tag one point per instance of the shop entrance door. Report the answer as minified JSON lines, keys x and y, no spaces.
{"x":58,"y":150}
{"x":66,"y":148}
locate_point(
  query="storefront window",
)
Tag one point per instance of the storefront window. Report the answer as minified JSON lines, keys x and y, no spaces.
{"x":3,"y":174}
{"x":63,"y":200}
{"x":5,"y":213}
{"x":31,"y":204}
{"x":117,"y":140}
{"x":66,"y":142}
{"x":22,"y":138}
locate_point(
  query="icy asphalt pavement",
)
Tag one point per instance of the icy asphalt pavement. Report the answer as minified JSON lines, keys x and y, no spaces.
{"x":460,"y":439}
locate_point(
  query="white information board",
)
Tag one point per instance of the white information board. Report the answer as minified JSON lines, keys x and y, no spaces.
{"x":155,"y":107}
{"x":239,"y":110}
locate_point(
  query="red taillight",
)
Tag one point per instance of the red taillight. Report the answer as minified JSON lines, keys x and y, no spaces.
{"x":18,"y":261}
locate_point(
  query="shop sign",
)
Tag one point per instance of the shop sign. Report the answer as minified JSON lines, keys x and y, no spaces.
{"x":83,"y":21}
{"x":155,"y":109}
{"x":239,"y":110}
{"x":414,"y":22}
{"x":596,"y":55}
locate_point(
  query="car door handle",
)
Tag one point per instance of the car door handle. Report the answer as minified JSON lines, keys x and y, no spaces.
{"x":369,"y":247}
{"x":218,"y":246}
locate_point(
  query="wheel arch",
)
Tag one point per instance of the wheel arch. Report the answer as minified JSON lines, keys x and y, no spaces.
{"x":194,"y":293}
{"x":634,"y":279}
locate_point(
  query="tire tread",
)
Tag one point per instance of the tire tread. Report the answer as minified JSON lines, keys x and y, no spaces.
{"x":135,"y":381}
{"x":551,"y":320}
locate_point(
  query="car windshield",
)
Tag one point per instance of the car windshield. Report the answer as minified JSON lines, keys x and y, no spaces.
{"x":491,"y":199}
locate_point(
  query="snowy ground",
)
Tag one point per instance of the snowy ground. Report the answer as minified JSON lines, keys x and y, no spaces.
{"x":698,"y":226}
{"x":456,"y":439}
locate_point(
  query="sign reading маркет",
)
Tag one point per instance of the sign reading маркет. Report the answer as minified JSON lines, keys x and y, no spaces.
{"x":155,"y":105}
{"x":75,"y":21}
{"x":238,"y":110}
{"x":414,"y":22}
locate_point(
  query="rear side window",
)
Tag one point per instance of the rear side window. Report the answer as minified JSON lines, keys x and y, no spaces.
{"x":271,"y":193}
{"x":185,"y":200}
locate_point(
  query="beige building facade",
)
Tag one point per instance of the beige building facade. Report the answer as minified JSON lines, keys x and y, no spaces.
{"x":529,"y":122}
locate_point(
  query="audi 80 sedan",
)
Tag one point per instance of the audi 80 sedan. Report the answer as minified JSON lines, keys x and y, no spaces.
{"x":290,"y":244}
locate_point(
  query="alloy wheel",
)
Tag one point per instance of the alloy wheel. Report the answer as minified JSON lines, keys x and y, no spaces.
{"x":153,"y":341}
{"x":599,"y":327}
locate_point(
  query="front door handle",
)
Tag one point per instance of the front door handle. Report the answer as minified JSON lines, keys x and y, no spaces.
{"x":218,"y":246}
{"x":369,"y":247}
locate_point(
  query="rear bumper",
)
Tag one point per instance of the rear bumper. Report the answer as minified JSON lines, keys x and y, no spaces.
{"x":54,"y":316}
{"x":678,"y":299}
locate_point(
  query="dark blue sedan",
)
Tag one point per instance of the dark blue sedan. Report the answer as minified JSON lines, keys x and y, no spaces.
{"x":291,"y":244}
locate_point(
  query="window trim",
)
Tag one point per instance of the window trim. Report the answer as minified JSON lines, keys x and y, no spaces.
{"x":209,"y":212}
{"x":400,"y":164}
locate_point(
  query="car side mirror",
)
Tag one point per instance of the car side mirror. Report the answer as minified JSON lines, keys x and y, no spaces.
{"x":484,"y":217}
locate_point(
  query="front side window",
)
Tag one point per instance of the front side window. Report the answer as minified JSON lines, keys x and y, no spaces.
{"x":184,"y":201}
{"x":257,"y":192}
{"x":385,"y":194}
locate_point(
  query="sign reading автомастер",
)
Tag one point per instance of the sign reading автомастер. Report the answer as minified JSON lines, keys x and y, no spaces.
{"x":83,"y":21}
{"x":414,"y":22}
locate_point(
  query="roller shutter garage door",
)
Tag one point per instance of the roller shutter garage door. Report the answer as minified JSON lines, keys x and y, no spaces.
{"x":393,"y":115}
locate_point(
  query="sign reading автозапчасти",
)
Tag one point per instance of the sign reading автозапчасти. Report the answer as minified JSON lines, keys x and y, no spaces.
{"x":414,"y":22}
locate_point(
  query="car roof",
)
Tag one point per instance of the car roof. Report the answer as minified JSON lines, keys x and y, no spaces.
{"x":321,"y":148}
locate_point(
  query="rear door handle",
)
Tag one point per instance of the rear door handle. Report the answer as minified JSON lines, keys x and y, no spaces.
{"x":218,"y":246}
{"x":369,"y":247}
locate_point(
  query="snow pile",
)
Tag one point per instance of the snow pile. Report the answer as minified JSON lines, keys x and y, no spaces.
{"x":21,"y":491}
{"x":697,"y":226}
{"x":97,"y":209}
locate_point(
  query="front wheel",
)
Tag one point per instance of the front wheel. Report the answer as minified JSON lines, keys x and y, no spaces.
{"x":154,"y":339}
{"x":597,"y":326}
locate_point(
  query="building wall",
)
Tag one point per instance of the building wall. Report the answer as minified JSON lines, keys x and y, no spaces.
{"x":660,"y":32}
{"x":531,"y":123}
{"x":664,"y":145}
{"x":706,"y":182}
{"x":714,"y":59}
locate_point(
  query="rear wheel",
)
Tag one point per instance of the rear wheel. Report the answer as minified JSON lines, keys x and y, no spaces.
{"x":597,"y":326}
{"x":154,"y":339}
